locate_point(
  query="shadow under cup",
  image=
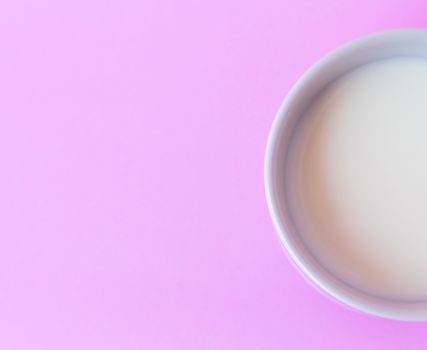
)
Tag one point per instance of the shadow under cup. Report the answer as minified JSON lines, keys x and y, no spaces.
{"x":385,"y":45}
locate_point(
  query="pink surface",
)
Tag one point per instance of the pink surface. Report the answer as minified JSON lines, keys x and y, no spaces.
{"x":132,"y":210}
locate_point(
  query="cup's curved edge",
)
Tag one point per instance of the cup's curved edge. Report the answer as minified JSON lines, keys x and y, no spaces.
{"x":279,"y":120}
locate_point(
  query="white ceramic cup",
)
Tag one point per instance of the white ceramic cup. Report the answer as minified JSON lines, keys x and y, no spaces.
{"x":394,"y":43}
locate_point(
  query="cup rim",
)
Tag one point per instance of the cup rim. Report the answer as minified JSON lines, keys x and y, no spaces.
{"x":372,"y":307}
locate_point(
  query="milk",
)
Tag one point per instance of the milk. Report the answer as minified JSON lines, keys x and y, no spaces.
{"x":356,"y":178}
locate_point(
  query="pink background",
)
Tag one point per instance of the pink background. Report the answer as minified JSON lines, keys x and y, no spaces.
{"x":132,"y":210}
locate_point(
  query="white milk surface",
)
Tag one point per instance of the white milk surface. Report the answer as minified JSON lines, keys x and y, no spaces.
{"x":357,"y":178}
